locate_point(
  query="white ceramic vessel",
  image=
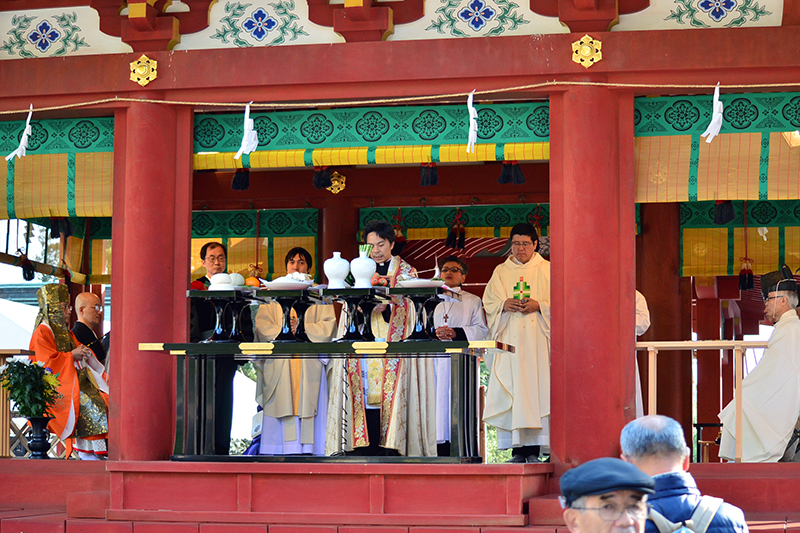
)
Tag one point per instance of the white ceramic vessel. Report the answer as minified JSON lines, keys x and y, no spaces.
{"x":363,"y":267}
{"x":336,"y":269}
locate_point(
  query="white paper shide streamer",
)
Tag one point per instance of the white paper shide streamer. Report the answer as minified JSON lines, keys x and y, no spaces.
{"x":250,"y":137}
{"x":716,"y":119}
{"x":473,"y":125}
{"x":23,"y":142}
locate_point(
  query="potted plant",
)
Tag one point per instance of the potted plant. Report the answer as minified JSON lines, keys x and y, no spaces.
{"x":34,"y":389}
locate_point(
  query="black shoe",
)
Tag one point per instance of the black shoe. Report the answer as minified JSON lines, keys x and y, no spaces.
{"x":516,"y":459}
{"x":537,"y":459}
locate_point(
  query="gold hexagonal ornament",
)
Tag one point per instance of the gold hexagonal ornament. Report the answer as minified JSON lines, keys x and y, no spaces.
{"x":143,"y":70}
{"x":587,"y":52}
{"x":337,"y":183}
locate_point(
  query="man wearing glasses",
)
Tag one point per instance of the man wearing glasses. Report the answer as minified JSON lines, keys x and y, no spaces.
{"x":213,"y":255}
{"x":460,"y":320}
{"x":771,"y":392}
{"x":605,"y":496}
{"x":89,"y":308}
{"x":517,"y":304}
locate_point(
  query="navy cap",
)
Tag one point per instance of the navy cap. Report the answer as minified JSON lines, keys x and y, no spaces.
{"x":601,"y":476}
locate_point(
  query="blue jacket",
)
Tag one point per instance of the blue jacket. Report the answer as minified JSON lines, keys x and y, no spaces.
{"x":676,"y":498}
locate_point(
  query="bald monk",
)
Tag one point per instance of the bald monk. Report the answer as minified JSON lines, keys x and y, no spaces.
{"x":89,"y":309}
{"x":81,"y":415}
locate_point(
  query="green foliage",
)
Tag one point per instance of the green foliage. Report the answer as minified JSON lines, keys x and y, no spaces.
{"x":238,"y":446}
{"x":248,"y":370}
{"x":493,"y":455}
{"x":31,"y":386}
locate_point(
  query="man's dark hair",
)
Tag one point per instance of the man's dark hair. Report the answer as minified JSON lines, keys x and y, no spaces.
{"x":299,"y":250}
{"x":453,"y":259}
{"x":523,"y":228}
{"x":383,"y":229}
{"x":212,"y":244}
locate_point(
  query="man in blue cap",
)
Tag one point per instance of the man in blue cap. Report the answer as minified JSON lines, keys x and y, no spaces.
{"x":605,"y":496}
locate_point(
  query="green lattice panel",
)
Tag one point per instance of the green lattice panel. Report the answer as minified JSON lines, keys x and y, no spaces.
{"x":486,"y":216}
{"x":274,"y":223}
{"x":62,"y":136}
{"x":690,"y":115}
{"x":777,"y":213}
{"x":386,"y":126}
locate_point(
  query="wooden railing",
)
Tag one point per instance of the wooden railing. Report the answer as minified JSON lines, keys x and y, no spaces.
{"x":738,"y":348}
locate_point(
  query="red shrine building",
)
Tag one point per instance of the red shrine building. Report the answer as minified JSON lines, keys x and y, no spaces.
{"x":138,"y":113}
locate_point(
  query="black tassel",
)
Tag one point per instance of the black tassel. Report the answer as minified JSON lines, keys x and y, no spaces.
{"x":65,"y":227}
{"x":322,"y":177}
{"x":516,"y":174}
{"x":54,"y":228}
{"x":241,"y":179}
{"x":428,"y":174}
{"x":505,"y":173}
{"x":462,"y":234}
{"x":452,"y":238}
{"x":746,"y":281}
{"x":28,"y":271}
{"x":723,"y":212}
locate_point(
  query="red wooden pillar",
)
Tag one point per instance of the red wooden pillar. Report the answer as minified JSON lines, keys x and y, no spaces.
{"x":709,"y":368}
{"x":151,"y":232}
{"x":593,"y":274}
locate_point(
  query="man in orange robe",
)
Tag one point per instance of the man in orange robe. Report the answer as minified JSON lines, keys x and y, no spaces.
{"x":81,"y":414}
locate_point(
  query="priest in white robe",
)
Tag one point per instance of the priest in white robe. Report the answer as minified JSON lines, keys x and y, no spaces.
{"x":293,"y":392}
{"x":771,"y":392}
{"x":454,"y":320}
{"x":517,"y":305}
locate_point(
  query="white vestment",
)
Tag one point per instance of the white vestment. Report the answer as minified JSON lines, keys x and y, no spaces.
{"x":466,"y":314}
{"x":770,"y":399}
{"x":293,"y":420}
{"x":642,"y":325}
{"x":518,"y":394}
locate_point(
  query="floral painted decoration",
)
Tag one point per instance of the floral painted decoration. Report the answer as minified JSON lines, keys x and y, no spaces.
{"x":259,"y":24}
{"x":477,"y":14}
{"x":717,"y":9}
{"x":43,"y":36}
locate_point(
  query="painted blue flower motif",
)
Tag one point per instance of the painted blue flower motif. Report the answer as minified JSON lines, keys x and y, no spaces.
{"x":259,"y":24}
{"x":717,"y":9}
{"x":43,"y":36}
{"x":477,"y":14}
